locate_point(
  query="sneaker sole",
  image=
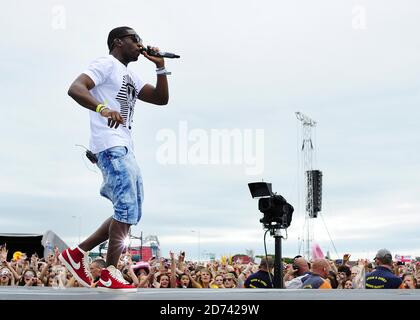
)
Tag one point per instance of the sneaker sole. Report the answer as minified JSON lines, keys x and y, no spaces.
{"x":105,"y":289}
{"x":63,"y":261}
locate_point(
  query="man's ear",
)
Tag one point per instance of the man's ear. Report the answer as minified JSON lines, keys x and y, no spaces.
{"x":117,"y":42}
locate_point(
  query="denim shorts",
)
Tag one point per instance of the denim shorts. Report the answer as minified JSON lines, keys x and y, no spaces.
{"x":122,"y":184}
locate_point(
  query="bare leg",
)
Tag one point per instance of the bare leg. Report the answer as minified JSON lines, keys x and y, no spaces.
{"x":100,"y":235}
{"x":118,"y":231}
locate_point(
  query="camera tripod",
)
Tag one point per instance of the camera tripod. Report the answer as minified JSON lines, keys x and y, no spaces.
{"x":278,"y":266}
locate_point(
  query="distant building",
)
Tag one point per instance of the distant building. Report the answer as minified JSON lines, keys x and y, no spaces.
{"x":141,"y":249}
{"x":241,"y":257}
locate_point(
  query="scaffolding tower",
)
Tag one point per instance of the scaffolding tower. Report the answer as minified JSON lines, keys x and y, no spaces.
{"x":307,"y":151}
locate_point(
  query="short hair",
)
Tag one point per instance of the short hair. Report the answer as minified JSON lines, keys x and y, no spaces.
{"x":385,"y":256}
{"x":267,"y":263}
{"x":101,"y":263}
{"x":162,"y":275}
{"x":409,"y":274}
{"x":344,"y":269}
{"x":115,"y":34}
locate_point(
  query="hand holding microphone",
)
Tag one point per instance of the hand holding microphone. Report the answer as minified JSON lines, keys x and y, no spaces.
{"x":154,"y":52}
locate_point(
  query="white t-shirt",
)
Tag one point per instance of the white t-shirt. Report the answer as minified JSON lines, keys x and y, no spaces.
{"x":117,"y":87}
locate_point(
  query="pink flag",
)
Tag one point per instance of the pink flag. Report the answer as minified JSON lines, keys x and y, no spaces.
{"x":317,"y":252}
{"x":403,"y":258}
{"x":406,"y":258}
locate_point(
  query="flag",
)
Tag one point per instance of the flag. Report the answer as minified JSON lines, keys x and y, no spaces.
{"x":403,"y":258}
{"x":317,"y":252}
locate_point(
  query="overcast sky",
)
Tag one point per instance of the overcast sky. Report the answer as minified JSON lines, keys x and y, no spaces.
{"x":246,"y":67}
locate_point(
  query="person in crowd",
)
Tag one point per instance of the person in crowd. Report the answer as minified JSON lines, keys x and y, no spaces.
{"x":354,"y":271}
{"x":7,"y":265}
{"x":263,"y":278}
{"x":46,"y":270}
{"x":333,"y":280}
{"x":146,"y":282}
{"x":369,"y":267}
{"x":184,"y":281}
{"x":162,"y":280}
{"x":358,"y":274}
{"x":204,"y":280}
{"x":29,"y":279}
{"x":296,"y":273}
{"x":333,"y":266}
{"x":318,"y":277}
{"x":343,"y":274}
{"x":230,"y":281}
{"x":6,"y":277}
{"x":383,"y":277}
{"x":128,"y":272}
{"x":193,"y":274}
{"x":141,"y":270}
{"x":218,"y":280}
{"x":245,"y":273}
{"x":408,"y":281}
{"x":54,"y":281}
{"x":348,"y":284}
{"x":95,"y":270}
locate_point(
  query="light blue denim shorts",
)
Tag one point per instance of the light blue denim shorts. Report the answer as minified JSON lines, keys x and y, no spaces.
{"x":122,"y":184}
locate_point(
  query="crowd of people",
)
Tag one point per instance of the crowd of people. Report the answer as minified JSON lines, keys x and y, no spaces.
{"x":178,"y":272}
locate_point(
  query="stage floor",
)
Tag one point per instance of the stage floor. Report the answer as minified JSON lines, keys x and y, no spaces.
{"x":44,"y":293}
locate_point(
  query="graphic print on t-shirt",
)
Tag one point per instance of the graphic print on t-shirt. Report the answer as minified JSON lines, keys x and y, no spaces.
{"x":127,"y":98}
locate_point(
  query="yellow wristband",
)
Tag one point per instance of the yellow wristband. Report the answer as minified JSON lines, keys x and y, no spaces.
{"x":100,"y":107}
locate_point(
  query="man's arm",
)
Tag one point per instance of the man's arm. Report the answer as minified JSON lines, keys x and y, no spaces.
{"x":160,"y":94}
{"x":79,"y":91}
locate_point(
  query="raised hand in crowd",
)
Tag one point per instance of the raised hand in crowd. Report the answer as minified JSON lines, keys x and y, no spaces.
{"x":130,"y":272}
{"x":333,"y":266}
{"x":363,"y":263}
{"x":3,"y":253}
{"x":346,"y":258}
{"x":181,"y":260}
{"x":21,"y":264}
{"x":173,"y":270}
{"x":9,"y":266}
{"x":290,"y":273}
{"x":56,"y":254}
{"x":146,"y":282}
{"x":35,"y":262}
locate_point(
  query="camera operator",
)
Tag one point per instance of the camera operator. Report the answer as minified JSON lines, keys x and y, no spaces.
{"x":261,"y":278}
{"x":383,"y":277}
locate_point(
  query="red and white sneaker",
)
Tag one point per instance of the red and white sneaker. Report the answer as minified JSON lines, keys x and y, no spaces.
{"x":112,"y":279}
{"x":77,"y":262}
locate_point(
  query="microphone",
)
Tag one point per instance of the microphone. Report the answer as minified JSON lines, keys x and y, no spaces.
{"x":152,"y":53}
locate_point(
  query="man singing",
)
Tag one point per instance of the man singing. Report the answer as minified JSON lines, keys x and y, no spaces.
{"x":109,"y":90}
